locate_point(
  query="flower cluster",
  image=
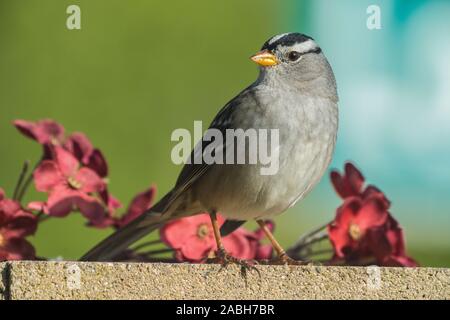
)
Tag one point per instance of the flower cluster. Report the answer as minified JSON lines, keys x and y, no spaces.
{"x":364,"y":230}
{"x":73,"y":174}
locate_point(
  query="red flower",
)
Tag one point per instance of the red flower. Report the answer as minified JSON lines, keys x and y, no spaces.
{"x":193,"y":239}
{"x":348,"y":232}
{"x":69,"y":186}
{"x":15,"y":225}
{"x":364,"y":230}
{"x":43,"y":131}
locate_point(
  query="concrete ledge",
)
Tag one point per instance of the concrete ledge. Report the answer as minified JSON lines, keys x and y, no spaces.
{"x":3,"y":278}
{"x":83,"y":280}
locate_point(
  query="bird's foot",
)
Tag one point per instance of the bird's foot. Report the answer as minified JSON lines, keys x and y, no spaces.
{"x":284,"y":259}
{"x":225,"y":259}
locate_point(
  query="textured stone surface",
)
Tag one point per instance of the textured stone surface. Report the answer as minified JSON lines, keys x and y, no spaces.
{"x":3,"y":280}
{"x":83,"y":280}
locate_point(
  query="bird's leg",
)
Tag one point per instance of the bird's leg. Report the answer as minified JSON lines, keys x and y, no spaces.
{"x":222,"y":255}
{"x":283,"y":258}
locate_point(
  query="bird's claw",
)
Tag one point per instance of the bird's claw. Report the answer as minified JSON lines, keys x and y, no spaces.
{"x":225,"y":259}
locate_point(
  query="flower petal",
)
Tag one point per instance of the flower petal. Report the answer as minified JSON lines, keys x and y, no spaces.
{"x":22,"y":224}
{"x":349,"y":184}
{"x":395,"y":237}
{"x":9,"y":208}
{"x":2,"y":194}
{"x":372,"y":214}
{"x":80,"y":146}
{"x":400,"y":261}
{"x":264,"y":252}
{"x":17,"y":249}
{"x":371,"y":191}
{"x":67,"y":163}
{"x":43,"y":131}
{"x":339,"y":238}
{"x":196,"y":249}
{"x":61,"y":201}
{"x":354,"y":177}
{"x":97,"y":162}
{"x":38,"y":206}
{"x":105,"y":222}
{"x":238,"y":245}
{"x":90,"y":207}
{"x":347,"y":212}
{"x":47,"y":176}
{"x":89,"y":181}
{"x":27,"y":128}
{"x":175,"y":233}
{"x":141,"y":203}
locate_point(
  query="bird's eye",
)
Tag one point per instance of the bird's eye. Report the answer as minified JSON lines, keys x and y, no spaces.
{"x":294,"y":55}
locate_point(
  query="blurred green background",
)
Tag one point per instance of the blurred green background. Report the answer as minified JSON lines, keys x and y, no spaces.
{"x":138,"y":70}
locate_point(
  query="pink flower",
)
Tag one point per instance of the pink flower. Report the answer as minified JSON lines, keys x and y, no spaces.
{"x":193,"y":239}
{"x":69,"y":186}
{"x":15,"y":225}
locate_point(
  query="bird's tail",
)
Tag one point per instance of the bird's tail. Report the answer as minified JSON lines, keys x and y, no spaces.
{"x":119,"y":241}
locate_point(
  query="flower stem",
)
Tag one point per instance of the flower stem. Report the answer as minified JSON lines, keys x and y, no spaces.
{"x":27,"y":183}
{"x":23,"y":172}
{"x":146,"y":244}
{"x":309,"y":238}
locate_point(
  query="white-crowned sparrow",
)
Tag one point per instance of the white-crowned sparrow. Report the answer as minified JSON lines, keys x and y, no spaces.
{"x":294,"y":93}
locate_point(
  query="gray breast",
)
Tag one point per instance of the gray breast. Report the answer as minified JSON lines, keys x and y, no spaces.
{"x":307,"y":133}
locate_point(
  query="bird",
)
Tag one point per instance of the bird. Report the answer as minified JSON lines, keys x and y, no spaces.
{"x":294,"y":93}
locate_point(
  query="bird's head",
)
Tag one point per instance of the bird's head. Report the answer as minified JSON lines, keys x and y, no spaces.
{"x":293,"y":58}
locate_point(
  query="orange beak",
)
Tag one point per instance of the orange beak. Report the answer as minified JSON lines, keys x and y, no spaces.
{"x":265,"y":58}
